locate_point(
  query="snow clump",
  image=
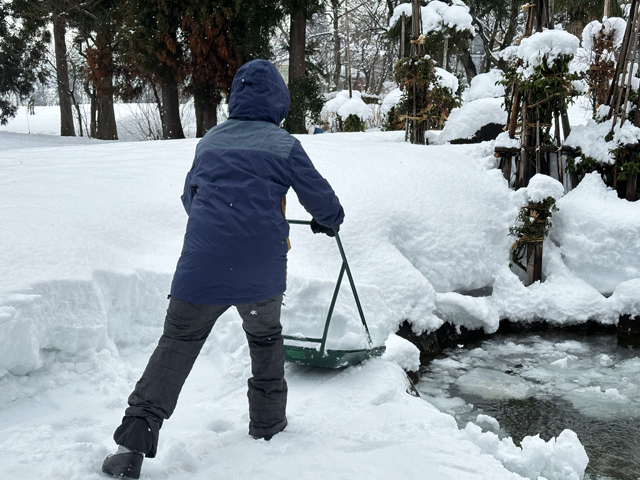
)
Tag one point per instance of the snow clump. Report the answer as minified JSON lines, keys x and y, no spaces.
{"x":402,"y":352}
{"x":483,"y":105}
{"x":591,"y":138}
{"x":438,"y":16}
{"x":485,"y":85}
{"x":561,"y":458}
{"x":390,"y":100}
{"x":543,"y":186}
{"x":610,"y":26}
{"x":590,"y":217}
{"x":447,"y":80}
{"x":546,"y":45}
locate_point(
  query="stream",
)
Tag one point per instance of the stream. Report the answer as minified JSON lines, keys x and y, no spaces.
{"x":543,"y":383}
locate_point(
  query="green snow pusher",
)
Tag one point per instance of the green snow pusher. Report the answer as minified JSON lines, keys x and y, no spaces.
{"x":321,"y":356}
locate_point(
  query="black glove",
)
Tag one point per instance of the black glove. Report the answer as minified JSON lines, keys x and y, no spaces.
{"x":317,"y":228}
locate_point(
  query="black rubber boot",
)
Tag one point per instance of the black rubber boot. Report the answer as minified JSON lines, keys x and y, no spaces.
{"x":123,"y":465}
{"x":270,"y":435}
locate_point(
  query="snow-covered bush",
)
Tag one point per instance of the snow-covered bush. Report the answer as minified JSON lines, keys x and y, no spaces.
{"x":389,"y":112}
{"x":341,"y":113}
{"x":483,"y":110}
{"x":598,"y":55}
{"x":435,"y":96}
{"x":440,"y":20}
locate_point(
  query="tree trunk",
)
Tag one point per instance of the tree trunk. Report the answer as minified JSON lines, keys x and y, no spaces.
{"x":106,"y":117}
{"x":510,"y":34}
{"x":296,"y":45}
{"x":469,"y":66}
{"x":62,"y":76}
{"x":206,"y":115}
{"x":337,"y":60}
{"x":92,"y":99}
{"x":171,"y":125}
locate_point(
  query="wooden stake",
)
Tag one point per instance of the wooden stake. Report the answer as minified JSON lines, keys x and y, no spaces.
{"x":556,"y":118}
{"x":632,"y":181}
{"x":402,"y":35}
{"x":534,"y":263}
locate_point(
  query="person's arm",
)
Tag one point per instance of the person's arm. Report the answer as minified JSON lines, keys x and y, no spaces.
{"x":189,"y":190}
{"x":314,"y":192}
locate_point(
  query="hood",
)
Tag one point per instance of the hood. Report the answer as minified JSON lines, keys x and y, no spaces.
{"x":258,"y":92}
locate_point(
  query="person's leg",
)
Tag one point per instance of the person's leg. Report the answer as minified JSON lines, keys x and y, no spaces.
{"x":186,"y":328}
{"x":267,"y":388}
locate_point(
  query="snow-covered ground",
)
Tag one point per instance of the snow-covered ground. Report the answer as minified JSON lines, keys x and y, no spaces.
{"x":91,"y":236}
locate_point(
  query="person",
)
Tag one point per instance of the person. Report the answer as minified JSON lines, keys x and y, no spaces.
{"x":234,"y":254}
{"x":31,"y":106}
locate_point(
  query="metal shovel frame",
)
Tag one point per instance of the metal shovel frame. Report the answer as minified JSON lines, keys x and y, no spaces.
{"x":324,"y":357}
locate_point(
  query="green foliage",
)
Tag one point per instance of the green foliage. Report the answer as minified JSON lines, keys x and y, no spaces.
{"x":548,"y":89}
{"x":23,"y":46}
{"x":306,"y":102}
{"x":532,"y":225}
{"x":392,"y":121}
{"x":353,"y":123}
{"x":433,"y":102}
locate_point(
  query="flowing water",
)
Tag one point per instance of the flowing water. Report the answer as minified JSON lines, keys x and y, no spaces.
{"x":543,"y":383}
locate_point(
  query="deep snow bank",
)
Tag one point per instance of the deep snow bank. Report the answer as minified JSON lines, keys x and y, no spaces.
{"x":95,"y":232}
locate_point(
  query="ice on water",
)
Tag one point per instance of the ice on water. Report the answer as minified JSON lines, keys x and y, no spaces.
{"x":598,"y":384}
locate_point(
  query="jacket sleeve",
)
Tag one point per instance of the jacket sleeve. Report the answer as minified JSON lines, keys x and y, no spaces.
{"x":189,"y":190}
{"x":314,"y":192}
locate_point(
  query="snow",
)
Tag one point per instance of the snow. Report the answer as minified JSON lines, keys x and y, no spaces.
{"x":562,"y":458}
{"x":402,"y":352}
{"x":339,"y":104}
{"x":549,"y":45}
{"x":465,"y":121}
{"x":591,"y":138}
{"x":611,"y":25}
{"x":598,"y":235}
{"x":95,"y":230}
{"x":133,"y":121}
{"x":447,"y":80}
{"x":485,"y":85}
{"x":542,"y":187}
{"x":355,"y":106}
{"x":483,"y":104}
{"x":390,"y":100}
{"x":438,"y":16}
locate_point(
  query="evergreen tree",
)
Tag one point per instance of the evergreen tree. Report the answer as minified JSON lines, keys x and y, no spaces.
{"x":151,"y":49}
{"x":303,"y":87}
{"x":54,"y":12}
{"x":22,"y":50}
{"x":219,"y":37}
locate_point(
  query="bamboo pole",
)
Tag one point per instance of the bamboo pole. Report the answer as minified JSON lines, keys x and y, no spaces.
{"x":556,"y":117}
{"x":621,"y":56}
{"x":634,"y":49}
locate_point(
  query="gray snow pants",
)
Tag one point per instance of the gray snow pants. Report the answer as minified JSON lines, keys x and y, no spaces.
{"x":186,"y":328}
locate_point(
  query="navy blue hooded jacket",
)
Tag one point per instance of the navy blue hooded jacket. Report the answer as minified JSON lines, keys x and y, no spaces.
{"x":235,"y":247}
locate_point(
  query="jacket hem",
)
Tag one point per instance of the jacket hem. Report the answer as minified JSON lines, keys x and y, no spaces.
{"x":226,"y":301}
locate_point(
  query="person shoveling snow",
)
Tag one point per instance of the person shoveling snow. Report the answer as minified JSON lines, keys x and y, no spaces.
{"x":234,"y":254}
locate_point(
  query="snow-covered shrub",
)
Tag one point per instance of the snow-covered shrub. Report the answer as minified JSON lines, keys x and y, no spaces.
{"x":601,"y":43}
{"x":482,"y":115}
{"x":434,"y":95}
{"x":339,"y":107}
{"x":440,"y":20}
{"x":534,"y":220}
{"x":389,"y":111}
